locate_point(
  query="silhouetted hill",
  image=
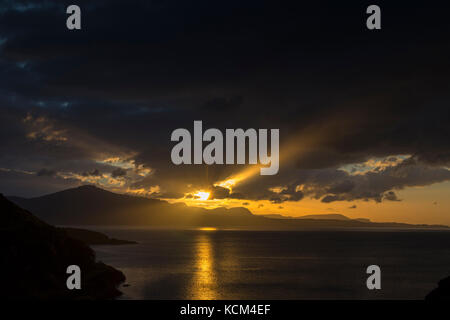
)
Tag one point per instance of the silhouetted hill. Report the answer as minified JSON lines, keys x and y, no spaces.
{"x":88,"y":205}
{"x":85,"y":205}
{"x":35,"y":256}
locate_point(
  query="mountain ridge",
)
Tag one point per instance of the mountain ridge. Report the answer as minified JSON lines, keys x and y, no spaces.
{"x":332,"y":216}
{"x":89,"y":205}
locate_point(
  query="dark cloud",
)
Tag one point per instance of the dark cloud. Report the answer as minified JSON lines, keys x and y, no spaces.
{"x":94,"y":173}
{"x":45,"y":172}
{"x":331,"y":198}
{"x":27,"y":184}
{"x":219,"y":193}
{"x":119,"y":172}
{"x":391,"y":196}
{"x":331,"y":184}
{"x":276,"y":200}
{"x":69,"y":99}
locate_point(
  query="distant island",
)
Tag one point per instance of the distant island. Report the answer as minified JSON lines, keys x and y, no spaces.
{"x":333,"y":216}
{"x":89,"y":205}
{"x":35,"y":257}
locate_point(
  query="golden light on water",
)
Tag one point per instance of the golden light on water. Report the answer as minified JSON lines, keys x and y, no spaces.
{"x":207,"y":229}
{"x":204,"y":280}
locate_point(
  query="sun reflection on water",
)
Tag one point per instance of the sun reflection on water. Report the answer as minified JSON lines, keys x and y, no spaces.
{"x":204,"y":286}
{"x":207,"y":229}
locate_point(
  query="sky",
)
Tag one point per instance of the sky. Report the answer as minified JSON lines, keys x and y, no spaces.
{"x":363,"y":114}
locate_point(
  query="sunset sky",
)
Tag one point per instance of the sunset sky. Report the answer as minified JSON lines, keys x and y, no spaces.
{"x":363,"y":115}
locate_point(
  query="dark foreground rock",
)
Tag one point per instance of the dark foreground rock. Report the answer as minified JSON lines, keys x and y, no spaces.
{"x":94,"y":237}
{"x":442,"y":292}
{"x":35,"y":256}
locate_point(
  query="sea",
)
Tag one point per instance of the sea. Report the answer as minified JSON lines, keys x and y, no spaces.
{"x":312,"y":264}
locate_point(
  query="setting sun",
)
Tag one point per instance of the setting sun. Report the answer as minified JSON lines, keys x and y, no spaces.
{"x":202,"y":195}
